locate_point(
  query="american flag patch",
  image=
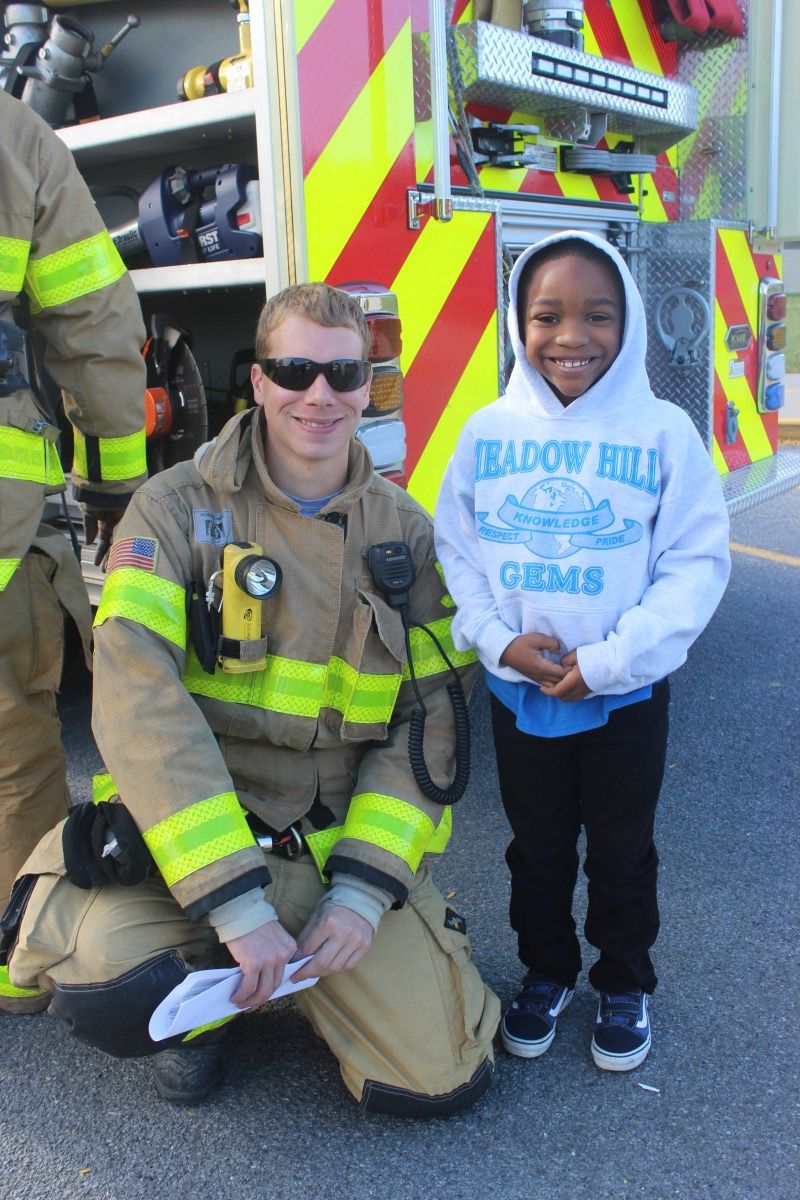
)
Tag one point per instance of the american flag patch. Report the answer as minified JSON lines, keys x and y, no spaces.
{"x":139,"y":552}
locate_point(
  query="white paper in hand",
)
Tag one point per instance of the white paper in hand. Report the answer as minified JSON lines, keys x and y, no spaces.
{"x":205,"y":996}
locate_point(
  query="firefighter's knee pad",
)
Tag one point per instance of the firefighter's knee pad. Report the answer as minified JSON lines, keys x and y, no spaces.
{"x":114,"y":1016}
{"x":397,"y":1102}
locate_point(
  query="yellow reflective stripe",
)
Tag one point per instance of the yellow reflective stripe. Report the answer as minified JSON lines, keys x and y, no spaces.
{"x":320,"y":843}
{"x":29,"y":456}
{"x":394,"y":825}
{"x":193,"y":1033}
{"x":447,"y":600}
{"x":13,"y":260}
{"x":283,"y":686}
{"x":80,"y":464}
{"x":8,"y":989}
{"x":198,"y":835}
{"x":7,"y":568}
{"x":120,"y":458}
{"x":123,"y":457}
{"x":299,"y":689}
{"x":77,"y":270}
{"x":156,"y":603}
{"x":103,"y":787}
{"x":425,"y":653}
{"x":441,"y":835}
{"x":364,"y":699}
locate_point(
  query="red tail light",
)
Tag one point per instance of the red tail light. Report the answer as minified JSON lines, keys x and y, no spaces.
{"x":385,"y":340}
{"x":776,"y":307}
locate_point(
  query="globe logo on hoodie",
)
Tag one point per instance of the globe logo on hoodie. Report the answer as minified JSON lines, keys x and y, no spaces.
{"x":556,"y":518}
{"x":562,"y":496}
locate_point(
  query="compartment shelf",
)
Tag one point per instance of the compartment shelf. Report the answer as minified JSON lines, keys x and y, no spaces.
{"x":236,"y":272}
{"x":190,"y":125}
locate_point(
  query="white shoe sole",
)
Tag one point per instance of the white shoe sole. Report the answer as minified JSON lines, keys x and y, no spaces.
{"x":620,"y":1062}
{"x":527,"y":1049}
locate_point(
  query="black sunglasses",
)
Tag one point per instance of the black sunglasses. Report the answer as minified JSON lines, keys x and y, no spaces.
{"x":297,"y":374}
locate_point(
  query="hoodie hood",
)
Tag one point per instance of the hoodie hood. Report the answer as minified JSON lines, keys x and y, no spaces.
{"x":625,"y":377}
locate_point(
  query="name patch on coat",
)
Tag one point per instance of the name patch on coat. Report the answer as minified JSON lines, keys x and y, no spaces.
{"x":213,"y":527}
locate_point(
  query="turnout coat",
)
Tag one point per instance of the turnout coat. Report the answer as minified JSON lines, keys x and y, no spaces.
{"x":322,"y":729}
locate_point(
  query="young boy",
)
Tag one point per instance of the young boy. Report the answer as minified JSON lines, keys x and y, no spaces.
{"x":584,"y":538}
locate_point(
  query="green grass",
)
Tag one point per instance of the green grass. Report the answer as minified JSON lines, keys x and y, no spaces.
{"x":793,"y":333}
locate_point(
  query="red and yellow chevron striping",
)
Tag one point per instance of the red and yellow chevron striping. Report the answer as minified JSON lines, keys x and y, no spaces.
{"x":738,"y":270}
{"x":356,"y":91}
{"x":361,"y":153}
{"x":624,"y":31}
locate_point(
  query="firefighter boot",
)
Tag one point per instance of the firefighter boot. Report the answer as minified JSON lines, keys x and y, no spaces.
{"x":188,"y":1073}
{"x":17,"y":1000}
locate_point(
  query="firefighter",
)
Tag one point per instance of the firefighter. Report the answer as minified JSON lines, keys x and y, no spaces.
{"x":62,"y":282}
{"x":302,"y":736}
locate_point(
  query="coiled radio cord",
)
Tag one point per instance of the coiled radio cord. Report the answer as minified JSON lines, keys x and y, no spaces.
{"x":416,"y":731}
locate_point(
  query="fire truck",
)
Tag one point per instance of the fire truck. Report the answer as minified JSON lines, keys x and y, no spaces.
{"x":409,"y":150}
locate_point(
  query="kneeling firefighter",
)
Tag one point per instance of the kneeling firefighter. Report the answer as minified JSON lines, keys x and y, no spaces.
{"x":269,"y":794}
{"x":63,"y":285}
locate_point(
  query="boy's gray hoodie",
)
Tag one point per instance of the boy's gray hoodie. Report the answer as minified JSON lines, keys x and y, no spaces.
{"x":601,"y":523}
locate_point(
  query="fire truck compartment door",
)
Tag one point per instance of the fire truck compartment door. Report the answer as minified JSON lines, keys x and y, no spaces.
{"x":525,"y":220}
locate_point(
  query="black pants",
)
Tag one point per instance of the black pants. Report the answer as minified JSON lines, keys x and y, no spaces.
{"x":606,"y":780}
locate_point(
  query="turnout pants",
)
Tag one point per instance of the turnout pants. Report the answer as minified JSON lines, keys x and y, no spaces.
{"x":411,"y":1025}
{"x":33,"y":777}
{"x":608,"y":781}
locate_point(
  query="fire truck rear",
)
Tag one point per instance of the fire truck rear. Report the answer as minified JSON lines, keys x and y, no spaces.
{"x":410,"y":149}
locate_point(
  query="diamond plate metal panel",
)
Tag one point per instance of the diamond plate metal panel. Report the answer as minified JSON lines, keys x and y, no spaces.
{"x":506,"y":69}
{"x":748,"y":486}
{"x":679,"y":254}
{"x":712,"y":164}
{"x":421,"y":62}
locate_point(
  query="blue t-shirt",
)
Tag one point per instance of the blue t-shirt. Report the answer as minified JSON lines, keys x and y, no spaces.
{"x":546,"y":716}
{"x":310,"y":508}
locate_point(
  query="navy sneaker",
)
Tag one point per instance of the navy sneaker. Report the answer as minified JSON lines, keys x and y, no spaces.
{"x":529,"y":1026}
{"x":622,"y":1031}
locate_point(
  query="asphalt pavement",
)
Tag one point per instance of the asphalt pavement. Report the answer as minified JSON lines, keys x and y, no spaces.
{"x":789,"y":415}
{"x":710,"y":1115}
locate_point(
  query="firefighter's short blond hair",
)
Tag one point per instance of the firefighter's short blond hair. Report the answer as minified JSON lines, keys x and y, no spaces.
{"x":318,"y":302}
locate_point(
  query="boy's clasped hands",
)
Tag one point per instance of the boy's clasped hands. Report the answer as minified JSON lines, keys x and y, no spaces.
{"x":562,"y":680}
